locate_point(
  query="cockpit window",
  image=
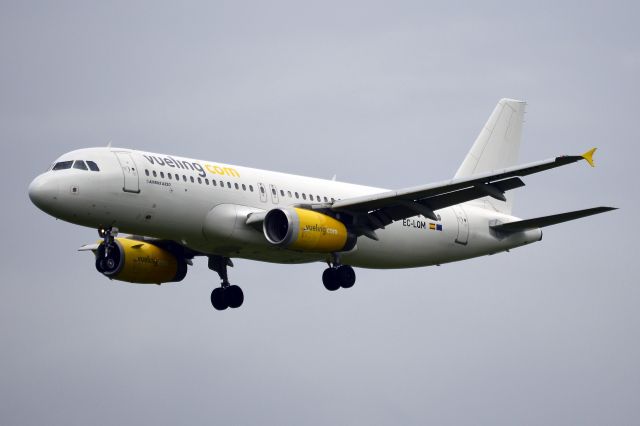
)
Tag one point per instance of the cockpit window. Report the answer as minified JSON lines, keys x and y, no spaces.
{"x":63,"y":165}
{"x":93,"y":166}
{"x":79,"y":164}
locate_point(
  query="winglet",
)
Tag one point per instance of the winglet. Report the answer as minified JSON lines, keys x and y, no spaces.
{"x":589,"y":156}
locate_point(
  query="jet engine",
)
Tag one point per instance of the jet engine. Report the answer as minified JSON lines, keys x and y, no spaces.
{"x":306,"y":230}
{"x":140,"y":262}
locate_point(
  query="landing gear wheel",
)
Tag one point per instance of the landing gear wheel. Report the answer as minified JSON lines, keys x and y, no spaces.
{"x":107,"y":262}
{"x":330,"y":279}
{"x":218,"y":299}
{"x":226,"y":296}
{"x":234,"y":296}
{"x":346,"y":276}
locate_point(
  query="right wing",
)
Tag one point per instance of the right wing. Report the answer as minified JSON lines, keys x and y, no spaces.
{"x":376,"y":211}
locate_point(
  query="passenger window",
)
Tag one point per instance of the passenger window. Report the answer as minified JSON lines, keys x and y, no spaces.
{"x":184,"y":178}
{"x":214,"y":183}
{"x":333,"y":200}
{"x":79,"y":164}
{"x":325,"y":200}
{"x":236,"y":185}
{"x":273,"y":191}
{"x":200,"y":181}
{"x":262,"y":190}
{"x":170,"y":176}
{"x":297,"y":195}
{"x":289,"y":194}
{"x":146,"y":172}
{"x":318,"y":198}
{"x":206,"y":181}
{"x":155,"y":174}
{"x":229,"y":185}
{"x":304,"y":196}
{"x":251,"y":188}
{"x":192,"y":179}
{"x":221,"y":184}
{"x":162,"y":175}
{"x":244,"y":187}
{"x":177,"y":176}
{"x":93,"y":166}
{"x":281,"y":193}
{"x":63,"y":165}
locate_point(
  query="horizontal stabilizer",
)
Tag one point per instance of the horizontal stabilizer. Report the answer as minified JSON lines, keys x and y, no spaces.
{"x":539,"y":222}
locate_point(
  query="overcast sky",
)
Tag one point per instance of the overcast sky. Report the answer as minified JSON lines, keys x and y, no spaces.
{"x":388,"y":94}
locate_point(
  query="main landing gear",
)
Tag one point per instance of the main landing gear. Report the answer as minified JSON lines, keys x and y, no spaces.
{"x":337,"y":275}
{"x":227,"y":295}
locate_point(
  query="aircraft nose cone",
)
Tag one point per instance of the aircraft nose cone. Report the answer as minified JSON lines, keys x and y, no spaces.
{"x":43,"y":193}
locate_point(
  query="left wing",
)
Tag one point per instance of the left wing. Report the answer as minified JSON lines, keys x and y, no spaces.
{"x":376,"y":211}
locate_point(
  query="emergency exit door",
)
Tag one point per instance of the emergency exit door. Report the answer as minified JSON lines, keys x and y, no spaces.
{"x":463,"y":225}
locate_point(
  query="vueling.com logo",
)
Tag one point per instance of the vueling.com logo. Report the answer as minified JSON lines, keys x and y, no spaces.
{"x":192,"y":165}
{"x":148,"y":260}
{"x":323,"y":229}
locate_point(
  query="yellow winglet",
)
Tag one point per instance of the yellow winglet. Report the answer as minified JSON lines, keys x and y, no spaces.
{"x":589,"y":156}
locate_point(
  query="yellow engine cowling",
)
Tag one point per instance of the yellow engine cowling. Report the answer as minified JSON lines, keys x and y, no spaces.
{"x":140,"y":262}
{"x":306,"y":230}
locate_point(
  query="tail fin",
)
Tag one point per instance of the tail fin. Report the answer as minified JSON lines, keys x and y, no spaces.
{"x":497,"y":146}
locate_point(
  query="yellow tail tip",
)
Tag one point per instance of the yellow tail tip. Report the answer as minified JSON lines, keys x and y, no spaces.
{"x":589,"y":156}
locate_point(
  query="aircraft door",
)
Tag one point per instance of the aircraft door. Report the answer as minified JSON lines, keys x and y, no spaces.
{"x":130,"y":172}
{"x":274,"y":194}
{"x":463,"y":225}
{"x":263,"y":192}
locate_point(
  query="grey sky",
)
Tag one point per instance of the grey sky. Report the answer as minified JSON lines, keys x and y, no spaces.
{"x":382,"y":93}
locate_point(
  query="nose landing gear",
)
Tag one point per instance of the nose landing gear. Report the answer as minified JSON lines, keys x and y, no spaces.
{"x":338,"y":275}
{"x":108,"y":256}
{"x":227,"y":295}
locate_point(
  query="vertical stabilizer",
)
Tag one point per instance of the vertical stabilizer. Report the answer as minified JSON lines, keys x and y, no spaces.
{"x":496,"y":147}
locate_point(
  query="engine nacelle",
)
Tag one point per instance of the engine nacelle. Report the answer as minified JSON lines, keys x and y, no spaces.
{"x":306,"y":230}
{"x":140,"y":262}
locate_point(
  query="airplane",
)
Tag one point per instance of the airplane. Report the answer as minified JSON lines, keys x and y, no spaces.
{"x":173,"y":209}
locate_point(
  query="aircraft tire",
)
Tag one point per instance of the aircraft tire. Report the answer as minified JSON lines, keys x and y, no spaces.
{"x":234,"y":296}
{"x":330,"y":279}
{"x":346,"y":276}
{"x":218,"y":299}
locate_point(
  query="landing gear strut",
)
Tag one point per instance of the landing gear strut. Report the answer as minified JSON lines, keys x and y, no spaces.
{"x":338,"y":275}
{"x":227,"y":295}
{"x":108,"y":256}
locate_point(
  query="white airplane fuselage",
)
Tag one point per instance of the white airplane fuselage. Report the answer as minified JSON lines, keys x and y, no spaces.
{"x":133,"y":191}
